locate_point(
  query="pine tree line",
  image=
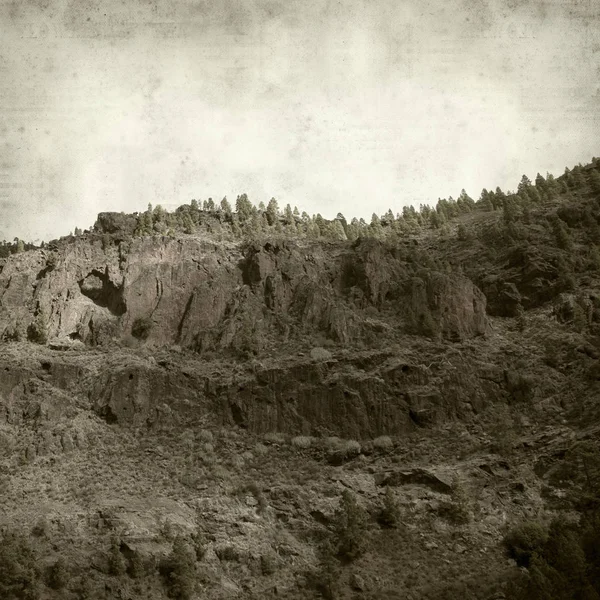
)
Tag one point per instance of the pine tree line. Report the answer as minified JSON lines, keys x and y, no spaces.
{"x":247,"y":221}
{"x":250,"y":221}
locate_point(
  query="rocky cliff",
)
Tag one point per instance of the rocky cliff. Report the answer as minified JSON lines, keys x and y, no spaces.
{"x":204,"y":295}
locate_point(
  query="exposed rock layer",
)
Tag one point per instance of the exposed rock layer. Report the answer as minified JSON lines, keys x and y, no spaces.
{"x":212,"y":296}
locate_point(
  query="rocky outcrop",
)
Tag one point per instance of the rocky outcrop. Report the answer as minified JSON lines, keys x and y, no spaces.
{"x":355,"y":395}
{"x":449,"y":306}
{"x":213,"y":296}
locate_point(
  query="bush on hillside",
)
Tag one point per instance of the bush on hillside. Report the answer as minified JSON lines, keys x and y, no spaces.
{"x":178,"y":570}
{"x":19,"y":579}
{"x":525,"y":540}
{"x":37,"y":332}
{"x":389,"y":516}
{"x":141,"y":328}
{"x":350,"y":528}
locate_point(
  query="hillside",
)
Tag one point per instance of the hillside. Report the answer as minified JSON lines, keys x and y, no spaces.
{"x":255,"y":403}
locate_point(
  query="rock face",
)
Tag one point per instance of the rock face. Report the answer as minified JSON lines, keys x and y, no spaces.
{"x":450,"y":306}
{"x":210,"y":296}
{"x":354,"y":395}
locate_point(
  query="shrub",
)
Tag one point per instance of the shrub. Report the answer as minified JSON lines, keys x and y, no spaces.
{"x":141,"y":328}
{"x":268,"y":563}
{"x":18,"y":575}
{"x":274,"y":437}
{"x":326,"y":579}
{"x":558,"y":561}
{"x":383,"y":442}
{"x":228,"y":553}
{"x":206,"y":436}
{"x":341,"y":451}
{"x":319,"y":354}
{"x":350,"y":527}
{"x":199,"y":544}
{"x":37,"y":332}
{"x":389,"y":515}
{"x":178,"y":570}
{"x":16,"y":333}
{"x":457,"y":509}
{"x":302,"y":441}
{"x":137,"y":568}
{"x":58,"y":575}
{"x":525,"y":540}
{"x":117,"y":565}
{"x":462,"y":233}
{"x":255,"y":490}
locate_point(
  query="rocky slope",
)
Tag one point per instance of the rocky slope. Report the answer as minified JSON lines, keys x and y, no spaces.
{"x":228,"y":393}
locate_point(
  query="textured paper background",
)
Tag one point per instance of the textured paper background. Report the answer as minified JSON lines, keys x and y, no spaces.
{"x":352,"y":106}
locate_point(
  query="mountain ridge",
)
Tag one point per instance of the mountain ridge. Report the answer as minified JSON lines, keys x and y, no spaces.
{"x":230,"y":414}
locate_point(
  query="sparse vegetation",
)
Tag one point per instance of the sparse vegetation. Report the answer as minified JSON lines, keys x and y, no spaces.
{"x":350,"y":528}
{"x":117,"y":565}
{"x":457,"y":509}
{"x":389,"y":515}
{"x":37,"y":332}
{"x":178,"y":570}
{"x":141,"y":328}
{"x":19,"y":577}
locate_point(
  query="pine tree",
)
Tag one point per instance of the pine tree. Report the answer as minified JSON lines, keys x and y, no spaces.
{"x":159,"y":219}
{"x":524,"y":184}
{"x":485,"y":201}
{"x":350,"y":527}
{"x":561,"y":233}
{"x":466,"y":201}
{"x":390,"y":513}
{"x":340,"y":217}
{"x":147,"y":223}
{"x":226,"y":207}
{"x":290,"y":226}
{"x":187,"y":223}
{"x":320,"y":221}
{"x":568,"y":178}
{"x":313,"y":230}
{"x":375,"y":228}
{"x":338,"y":232}
{"x":288,"y":215}
{"x":552,"y":187}
{"x":508,"y":210}
{"x":540,"y":183}
{"x":595,"y":181}
{"x":353,"y":229}
{"x":498,"y":199}
{"x":243,"y":207}
{"x":272,"y":212}
{"x":181,"y":568}
{"x":256,"y":227}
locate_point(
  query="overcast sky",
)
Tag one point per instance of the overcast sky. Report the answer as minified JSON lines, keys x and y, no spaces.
{"x":353,"y":106}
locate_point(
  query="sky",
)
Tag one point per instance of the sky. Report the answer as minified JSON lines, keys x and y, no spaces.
{"x":352,"y":106}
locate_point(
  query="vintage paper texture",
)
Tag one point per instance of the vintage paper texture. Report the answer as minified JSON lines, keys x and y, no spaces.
{"x":349,"y":106}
